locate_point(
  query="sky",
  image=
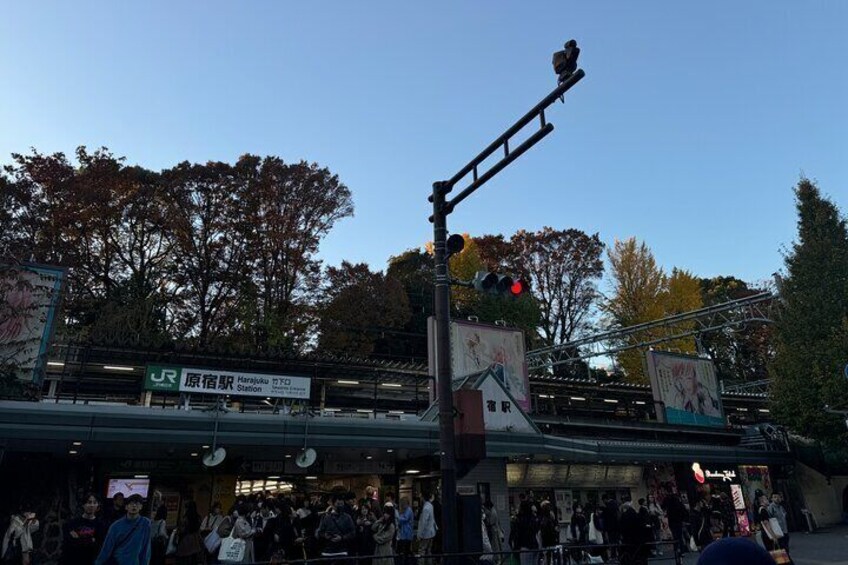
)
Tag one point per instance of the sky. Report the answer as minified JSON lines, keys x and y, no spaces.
{"x":694,"y":121}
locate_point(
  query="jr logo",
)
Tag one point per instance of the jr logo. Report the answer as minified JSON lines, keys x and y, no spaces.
{"x":163,"y":378}
{"x":167,"y":376}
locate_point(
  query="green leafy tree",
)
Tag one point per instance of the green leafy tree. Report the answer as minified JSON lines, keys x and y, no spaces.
{"x":811,"y":334}
{"x":740,"y":353}
{"x":413,"y":269}
{"x":361,"y":312}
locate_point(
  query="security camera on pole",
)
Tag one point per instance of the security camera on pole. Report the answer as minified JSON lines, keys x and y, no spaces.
{"x":443,"y":248}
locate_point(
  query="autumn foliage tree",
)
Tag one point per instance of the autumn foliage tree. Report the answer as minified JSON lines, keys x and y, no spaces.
{"x":642,"y":292}
{"x":206,"y":254}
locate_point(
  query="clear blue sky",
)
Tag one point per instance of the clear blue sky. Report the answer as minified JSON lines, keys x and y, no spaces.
{"x":693,"y":123}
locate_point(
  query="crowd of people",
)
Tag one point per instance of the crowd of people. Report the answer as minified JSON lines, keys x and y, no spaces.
{"x":386,"y":532}
{"x":273,"y":529}
{"x":633,"y":531}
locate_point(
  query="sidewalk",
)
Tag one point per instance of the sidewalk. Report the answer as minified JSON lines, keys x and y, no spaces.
{"x":827,"y":546}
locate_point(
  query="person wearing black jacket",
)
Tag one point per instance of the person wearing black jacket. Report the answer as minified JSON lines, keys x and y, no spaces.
{"x":677,"y":515}
{"x":631,"y":534}
{"x":336,"y":531}
{"x":522,"y":533}
{"x":82,"y":537}
{"x":611,"y":518}
{"x":578,"y":530}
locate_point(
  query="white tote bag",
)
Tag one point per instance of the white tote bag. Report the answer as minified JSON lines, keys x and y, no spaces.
{"x":232,"y":549}
{"x":775,"y":527}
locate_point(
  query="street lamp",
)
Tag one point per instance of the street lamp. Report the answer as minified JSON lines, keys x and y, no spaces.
{"x":442,"y":207}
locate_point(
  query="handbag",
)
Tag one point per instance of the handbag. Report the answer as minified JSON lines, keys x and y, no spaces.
{"x":212,"y":541}
{"x":775,"y":527}
{"x":172,"y":543}
{"x":780,"y":556}
{"x":693,"y":547}
{"x":232,"y":549}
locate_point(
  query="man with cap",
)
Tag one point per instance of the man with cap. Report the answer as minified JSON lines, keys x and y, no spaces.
{"x":128,"y":540}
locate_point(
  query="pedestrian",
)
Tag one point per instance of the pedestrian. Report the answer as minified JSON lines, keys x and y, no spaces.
{"x":631,"y":534}
{"x":646,"y":530}
{"x":264,"y":536}
{"x":83,"y":536}
{"x":128,"y":539}
{"x":405,"y":531}
{"x":242,"y":529}
{"x":655,"y":517}
{"x":611,"y":517}
{"x":494,"y":529}
{"x":676,"y":513}
{"x":285,"y":537}
{"x":159,"y":536}
{"x":778,"y":512}
{"x":337,"y":531}
{"x":365,"y":519}
{"x":213,"y":519}
{"x":190,"y":550}
{"x":115,"y":511}
{"x":384,"y":532}
{"x":728,"y":515}
{"x":770,"y":538}
{"x":578,"y":530}
{"x":427,"y":528}
{"x":595,"y":535}
{"x":549,"y":532}
{"x":523,"y":534}
{"x":17,"y":541}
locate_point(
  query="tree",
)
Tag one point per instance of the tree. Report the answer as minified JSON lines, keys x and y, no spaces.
{"x":212,"y":261}
{"x":361,"y":311}
{"x":562,"y":268}
{"x":642,"y":292}
{"x":413,"y":269}
{"x":740,"y":353}
{"x":811,"y":333}
{"x":290,"y":208}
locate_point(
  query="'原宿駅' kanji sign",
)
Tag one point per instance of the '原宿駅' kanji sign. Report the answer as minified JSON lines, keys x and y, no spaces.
{"x":169,"y":378}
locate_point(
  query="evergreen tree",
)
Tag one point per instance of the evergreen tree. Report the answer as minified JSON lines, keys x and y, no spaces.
{"x":811,"y":335}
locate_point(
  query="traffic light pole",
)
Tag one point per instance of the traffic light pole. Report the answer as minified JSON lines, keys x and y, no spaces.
{"x":441,"y":209}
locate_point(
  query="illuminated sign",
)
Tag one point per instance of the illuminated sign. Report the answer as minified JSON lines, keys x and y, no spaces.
{"x":704,"y":475}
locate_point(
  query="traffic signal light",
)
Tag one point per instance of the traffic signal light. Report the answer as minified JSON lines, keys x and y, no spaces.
{"x":498,"y":284}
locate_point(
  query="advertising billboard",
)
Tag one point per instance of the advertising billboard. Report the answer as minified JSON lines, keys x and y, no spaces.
{"x":477,"y":347}
{"x":29,"y":297}
{"x":686,"y":388}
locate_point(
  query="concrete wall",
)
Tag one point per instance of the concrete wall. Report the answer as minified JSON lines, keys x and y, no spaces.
{"x":823,"y":500}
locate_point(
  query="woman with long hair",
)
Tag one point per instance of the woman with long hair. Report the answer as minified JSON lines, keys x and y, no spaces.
{"x":384,"y":533}
{"x":190,"y":550}
{"x":159,"y":536}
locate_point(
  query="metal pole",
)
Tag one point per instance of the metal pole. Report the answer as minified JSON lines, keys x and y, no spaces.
{"x":443,"y":371}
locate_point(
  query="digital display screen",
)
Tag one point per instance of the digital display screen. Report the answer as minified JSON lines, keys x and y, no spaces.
{"x":128,"y":487}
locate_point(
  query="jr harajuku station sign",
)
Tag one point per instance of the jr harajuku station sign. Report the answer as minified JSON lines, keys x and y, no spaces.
{"x":170,"y":378}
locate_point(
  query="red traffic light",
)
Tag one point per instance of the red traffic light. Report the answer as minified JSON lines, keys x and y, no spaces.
{"x":517,"y":288}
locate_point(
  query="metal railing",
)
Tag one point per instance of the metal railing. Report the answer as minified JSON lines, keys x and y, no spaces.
{"x":564,"y":554}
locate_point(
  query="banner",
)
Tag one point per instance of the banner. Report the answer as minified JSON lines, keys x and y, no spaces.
{"x":687,"y":388}
{"x":169,"y":378}
{"x":29,"y":295}
{"x":477,"y":347}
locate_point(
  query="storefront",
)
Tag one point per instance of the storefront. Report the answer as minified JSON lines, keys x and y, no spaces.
{"x":567,"y":484}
